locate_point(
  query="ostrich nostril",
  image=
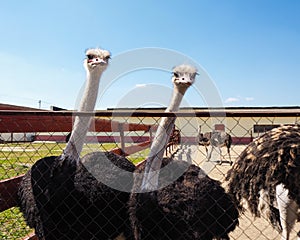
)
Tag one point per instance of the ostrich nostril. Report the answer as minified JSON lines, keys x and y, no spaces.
{"x":96,"y":59}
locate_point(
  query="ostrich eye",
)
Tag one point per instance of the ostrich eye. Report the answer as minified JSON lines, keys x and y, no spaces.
{"x":176,"y":74}
{"x":107,"y":57}
{"x":90,"y":56}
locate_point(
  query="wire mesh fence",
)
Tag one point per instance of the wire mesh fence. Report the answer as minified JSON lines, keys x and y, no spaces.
{"x":26,"y":137}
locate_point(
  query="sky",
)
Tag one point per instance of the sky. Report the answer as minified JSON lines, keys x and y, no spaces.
{"x":249,"y":51}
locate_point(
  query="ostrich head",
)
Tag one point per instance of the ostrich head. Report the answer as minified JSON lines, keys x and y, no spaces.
{"x":96,"y":60}
{"x":183,"y":77}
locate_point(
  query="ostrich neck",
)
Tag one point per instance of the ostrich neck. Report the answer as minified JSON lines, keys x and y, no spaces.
{"x":161,"y":139}
{"x":82,"y":123}
{"x":176,"y":99}
{"x":88,"y":101}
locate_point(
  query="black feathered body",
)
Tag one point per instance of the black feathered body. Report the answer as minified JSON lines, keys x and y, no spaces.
{"x":63,"y":200}
{"x":26,"y":197}
{"x":192,"y":207}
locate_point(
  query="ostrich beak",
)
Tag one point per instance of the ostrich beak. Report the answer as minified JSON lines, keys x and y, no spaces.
{"x":97,"y":61}
{"x":185,"y":82}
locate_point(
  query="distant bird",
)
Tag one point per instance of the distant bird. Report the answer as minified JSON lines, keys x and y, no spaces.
{"x":215,"y":139}
{"x":192,"y":206}
{"x":60,"y":198}
{"x":267,"y":176}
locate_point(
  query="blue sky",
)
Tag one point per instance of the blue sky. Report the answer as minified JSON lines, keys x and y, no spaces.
{"x":250,"y":49}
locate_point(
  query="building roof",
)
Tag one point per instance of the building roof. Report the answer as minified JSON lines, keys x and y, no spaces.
{"x":4,"y":106}
{"x":281,"y":110}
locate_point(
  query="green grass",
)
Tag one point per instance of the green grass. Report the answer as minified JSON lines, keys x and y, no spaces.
{"x":139,"y":156}
{"x":12,"y":225}
{"x":17,"y":158}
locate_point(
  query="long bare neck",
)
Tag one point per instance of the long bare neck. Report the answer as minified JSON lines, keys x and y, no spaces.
{"x":176,"y":99}
{"x":82,"y":123}
{"x":161,"y":139}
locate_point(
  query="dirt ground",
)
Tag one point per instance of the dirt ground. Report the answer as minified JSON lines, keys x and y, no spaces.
{"x":249,"y":227}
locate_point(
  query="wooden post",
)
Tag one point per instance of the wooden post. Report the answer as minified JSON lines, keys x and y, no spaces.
{"x":122,"y":140}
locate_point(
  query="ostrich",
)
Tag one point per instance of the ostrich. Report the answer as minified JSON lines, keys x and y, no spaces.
{"x":203,"y":139}
{"x":215,"y":139}
{"x":192,"y":206}
{"x":175,"y":139}
{"x":219,"y":139}
{"x":60,"y":198}
{"x":267,"y":176}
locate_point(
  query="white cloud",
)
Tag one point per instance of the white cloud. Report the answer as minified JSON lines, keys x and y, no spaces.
{"x":141,"y":85}
{"x":232,"y":99}
{"x":248,"y":99}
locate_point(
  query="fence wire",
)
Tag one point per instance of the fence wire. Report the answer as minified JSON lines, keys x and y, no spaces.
{"x":28,"y":137}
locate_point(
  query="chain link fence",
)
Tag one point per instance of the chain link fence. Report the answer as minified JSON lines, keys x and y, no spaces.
{"x":26,"y":137}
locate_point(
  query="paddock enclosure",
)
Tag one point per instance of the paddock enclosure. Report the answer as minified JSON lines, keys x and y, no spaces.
{"x":28,"y":135}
